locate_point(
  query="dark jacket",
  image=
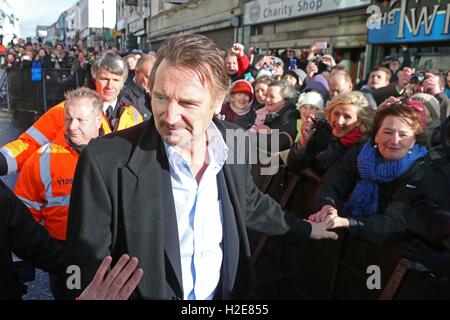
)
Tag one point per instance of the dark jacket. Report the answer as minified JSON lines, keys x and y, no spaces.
{"x":124,"y":204}
{"x":428,"y":208}
{"x":134,"y":95}
{"x":20,"y":233}
{"x":285,"y":122}
{"x":389,"y":224}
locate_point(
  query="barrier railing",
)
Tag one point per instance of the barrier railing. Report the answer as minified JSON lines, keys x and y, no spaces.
{"x":328,"y":269}
{"x":37,"y":96}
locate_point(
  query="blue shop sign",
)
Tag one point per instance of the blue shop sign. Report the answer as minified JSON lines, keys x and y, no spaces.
{"x":409,"y":21}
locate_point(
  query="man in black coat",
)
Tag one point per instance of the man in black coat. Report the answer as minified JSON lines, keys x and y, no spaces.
{"x":429,"y":212}
{"x":20,"y":233}
{"x":172,"y":193}
{"x":135,"y":91}
{"x":29,"y":241}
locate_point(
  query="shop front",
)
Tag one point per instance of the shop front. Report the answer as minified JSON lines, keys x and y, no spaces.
{"x":297,"y":24}
{"x":421,"y":26}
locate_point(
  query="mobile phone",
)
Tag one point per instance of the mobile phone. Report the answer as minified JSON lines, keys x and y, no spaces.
{"x":293,"y":64}
{"x":321,"y":45}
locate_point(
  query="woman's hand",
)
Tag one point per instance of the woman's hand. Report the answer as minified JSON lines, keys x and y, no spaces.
{"x":306,"y":130}
{"x":320,"y":216}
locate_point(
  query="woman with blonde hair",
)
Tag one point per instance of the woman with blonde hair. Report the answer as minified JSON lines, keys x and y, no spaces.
{"x":323,"y":142}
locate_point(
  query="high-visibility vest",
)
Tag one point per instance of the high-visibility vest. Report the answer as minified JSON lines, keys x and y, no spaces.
{"x":45,"y":183}
{"x":46,"y":128}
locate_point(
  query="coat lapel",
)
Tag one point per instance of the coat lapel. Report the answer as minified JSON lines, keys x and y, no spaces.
{"x":149,"y":216}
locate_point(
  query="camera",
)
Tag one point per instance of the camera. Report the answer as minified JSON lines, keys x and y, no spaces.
{"x":418,"y":78}
{"x":319,"y":123}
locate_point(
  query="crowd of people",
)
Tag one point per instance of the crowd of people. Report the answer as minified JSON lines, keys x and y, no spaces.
{"x":105,"y":182}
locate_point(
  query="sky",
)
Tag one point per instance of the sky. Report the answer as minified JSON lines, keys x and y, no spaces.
{"x":37,"y":12}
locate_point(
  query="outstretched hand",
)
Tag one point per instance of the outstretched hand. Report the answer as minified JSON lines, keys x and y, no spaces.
{"x":319,"y":230}
{"x":120,"y":282}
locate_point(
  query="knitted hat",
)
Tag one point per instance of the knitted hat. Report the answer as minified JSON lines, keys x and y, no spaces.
{"x":312,"y":98}
{"x":242,"y":86}
{"x":319,"y":84}
{"x":430,"y":103}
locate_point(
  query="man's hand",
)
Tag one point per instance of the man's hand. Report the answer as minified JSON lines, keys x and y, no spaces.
{"x":404,"y":77}
{"x":389,"y":101}
{"x":311,"y":69}
{"x":238,"y":49}
{"x":119,"y":284}
{"x":264,"y":62}
{"x":319,"y":231}
{"x":432,"y":84}
{"x":329,"y":60}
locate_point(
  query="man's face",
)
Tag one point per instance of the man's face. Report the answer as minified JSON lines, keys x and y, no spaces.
{"x":377,"y":79}
{"x":143,"y":74}
{"x":82,"y":121}
{"x":232,"y":65}
{"x":131,"y":62}
{"x":183,"y":108}
{"x":108,"y":85}
{"x":338,"y":85}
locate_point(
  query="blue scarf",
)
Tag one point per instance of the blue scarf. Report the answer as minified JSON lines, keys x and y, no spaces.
{"x":373,"y":170}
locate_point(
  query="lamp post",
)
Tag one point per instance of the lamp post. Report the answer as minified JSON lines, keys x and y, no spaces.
{"x":103,"y":23}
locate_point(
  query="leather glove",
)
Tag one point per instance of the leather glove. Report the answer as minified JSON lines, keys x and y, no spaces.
{"x":438,"y":263}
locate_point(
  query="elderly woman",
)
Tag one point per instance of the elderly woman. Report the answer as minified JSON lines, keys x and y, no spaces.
{"x":377,"y":178}
{"x":239,"y":102}
{"x":278,"y":113}
{"x":321,"y":144}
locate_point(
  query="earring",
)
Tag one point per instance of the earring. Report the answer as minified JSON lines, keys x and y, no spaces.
{"x":410,"y":151}
{"x":375,"y":146}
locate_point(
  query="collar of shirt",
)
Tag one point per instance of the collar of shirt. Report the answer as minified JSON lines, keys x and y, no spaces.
{"x":107,"y":104}
{"x":199,"y":218}
{"x":217,"y":152}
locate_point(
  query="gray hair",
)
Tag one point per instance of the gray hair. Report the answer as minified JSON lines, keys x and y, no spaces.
{"x":112,"y":63}
{"x":287,"y":91}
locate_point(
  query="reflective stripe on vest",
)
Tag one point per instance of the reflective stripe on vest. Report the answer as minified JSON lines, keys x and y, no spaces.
{"x":10,"y":160}
{"x":31,"y":204}
{"x":46,"y":178}
{"x":37,"y":135}
{"x":136,"y":115}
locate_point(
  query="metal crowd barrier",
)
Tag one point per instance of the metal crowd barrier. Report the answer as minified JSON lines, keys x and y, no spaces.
{"x":328,"y":269}
{"x":38,"y":96}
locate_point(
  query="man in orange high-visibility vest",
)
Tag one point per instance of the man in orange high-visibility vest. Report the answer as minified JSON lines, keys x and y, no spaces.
{"x":110,"y":73}
{"x":45,"y":182}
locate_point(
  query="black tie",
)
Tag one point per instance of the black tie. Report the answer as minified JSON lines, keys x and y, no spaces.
{"x":110,"y":116}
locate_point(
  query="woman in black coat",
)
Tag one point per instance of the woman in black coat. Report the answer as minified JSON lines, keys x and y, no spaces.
{"x":375,"y":179}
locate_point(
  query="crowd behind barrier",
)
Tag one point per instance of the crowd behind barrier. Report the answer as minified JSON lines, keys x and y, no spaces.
{"x":295,"y":94}
{"x":330,"y":269}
